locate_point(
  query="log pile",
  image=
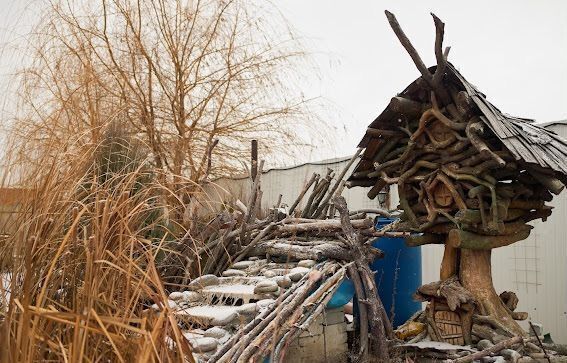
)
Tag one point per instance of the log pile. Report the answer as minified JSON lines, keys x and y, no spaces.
{"x":293,"y":311}
{"x":488,"y":340}
{"x":322,"y":230}
{"x":451,"y":171}
{"x":272,"y":331}
{"x":314,"y":231}
{"x":516,"y":349}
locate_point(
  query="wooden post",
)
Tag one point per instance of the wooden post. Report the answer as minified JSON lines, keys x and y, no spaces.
{"x":475,"y":274}
{"x":449,"y":264}
{"x":254,"y":158}
{"x":458,"y":238}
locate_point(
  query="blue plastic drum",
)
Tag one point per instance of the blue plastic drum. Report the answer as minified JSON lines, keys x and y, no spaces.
{"x":398,"y":275}
{"x":342,"y":296}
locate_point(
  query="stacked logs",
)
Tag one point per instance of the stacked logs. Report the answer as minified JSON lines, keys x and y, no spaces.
{"x":274,"y":329}
{"x":457,"y":181}
{"x":340,"y":244}
{"x":310,"y":232}
{"x":460,"y":193}
{"x":320,"y":229}
{"x":450,"y":179}
{"x":485,"y":336}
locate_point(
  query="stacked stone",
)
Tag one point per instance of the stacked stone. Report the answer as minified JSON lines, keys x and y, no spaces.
{"x":212,"y":309}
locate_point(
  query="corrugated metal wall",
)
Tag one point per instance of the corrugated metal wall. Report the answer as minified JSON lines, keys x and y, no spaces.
{"x":535,"y":269}
{"x":289,"y":182}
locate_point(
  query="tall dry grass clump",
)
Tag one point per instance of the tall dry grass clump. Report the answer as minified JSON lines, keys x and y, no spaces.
{"x":86,"y":260}
{"x":126,"y":108}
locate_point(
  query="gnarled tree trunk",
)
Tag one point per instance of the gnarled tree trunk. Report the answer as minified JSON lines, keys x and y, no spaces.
{"x":475,"y":274}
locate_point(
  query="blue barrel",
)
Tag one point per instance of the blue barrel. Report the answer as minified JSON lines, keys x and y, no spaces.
{"x":343,"y":295}
{"x":398,"y":275}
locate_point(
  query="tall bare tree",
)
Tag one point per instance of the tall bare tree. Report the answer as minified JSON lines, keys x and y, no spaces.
{"x":195,"y":80}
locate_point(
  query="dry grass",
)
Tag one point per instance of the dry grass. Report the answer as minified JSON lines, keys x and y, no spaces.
{"x":125,"y":109}
{"x":86,"y":258}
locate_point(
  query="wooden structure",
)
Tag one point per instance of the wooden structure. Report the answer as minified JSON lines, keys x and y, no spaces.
{"x":468,"y":175}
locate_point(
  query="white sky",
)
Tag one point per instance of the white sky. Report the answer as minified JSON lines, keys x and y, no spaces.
{"x":514,"y":51}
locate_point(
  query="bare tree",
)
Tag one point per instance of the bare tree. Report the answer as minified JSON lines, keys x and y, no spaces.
{"x":194,"y":80}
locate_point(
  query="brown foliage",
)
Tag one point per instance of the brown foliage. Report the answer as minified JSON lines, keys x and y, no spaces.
{"x":86,"y":253}
{"x":178,"y":75}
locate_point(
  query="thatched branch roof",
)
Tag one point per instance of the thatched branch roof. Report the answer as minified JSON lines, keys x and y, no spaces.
{"x":525,"y":140}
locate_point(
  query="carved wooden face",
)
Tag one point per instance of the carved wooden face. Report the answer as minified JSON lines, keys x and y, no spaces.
{"x":442,"y":195}
{"x":440,"y":132}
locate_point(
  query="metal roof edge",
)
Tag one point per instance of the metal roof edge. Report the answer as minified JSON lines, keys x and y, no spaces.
{"x":551,"y":123}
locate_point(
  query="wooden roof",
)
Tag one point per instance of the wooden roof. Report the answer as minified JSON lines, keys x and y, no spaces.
{"x":525,"y":140}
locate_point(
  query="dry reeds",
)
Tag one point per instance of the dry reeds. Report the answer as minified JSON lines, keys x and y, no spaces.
{"x":192,"y":82}
{"x":86,"y":259}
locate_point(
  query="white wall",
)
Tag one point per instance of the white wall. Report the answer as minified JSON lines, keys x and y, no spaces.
{"x":289,"y":182}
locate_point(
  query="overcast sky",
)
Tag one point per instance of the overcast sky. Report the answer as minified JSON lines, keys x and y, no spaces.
{"x":514,"y":51}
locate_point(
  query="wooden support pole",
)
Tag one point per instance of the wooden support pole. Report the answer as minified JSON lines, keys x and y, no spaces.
{"x":494,"y":349}
{"x":415,"y":240}
{"x":360,"y":183}
{"x":550,"y":182}
{"x":406,"y":106}
{"x":409,"y":47}
{"x":376,"y":189}
{"x":254,"y":158}
{"x":382,"y":133}
{"x":449,"y":264}
{"x":313,"y":179}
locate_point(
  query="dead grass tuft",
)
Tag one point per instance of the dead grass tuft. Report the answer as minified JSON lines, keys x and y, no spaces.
{"x":86,"y":257}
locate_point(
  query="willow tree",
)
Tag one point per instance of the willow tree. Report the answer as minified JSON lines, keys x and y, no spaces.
{"x":194,"y":80}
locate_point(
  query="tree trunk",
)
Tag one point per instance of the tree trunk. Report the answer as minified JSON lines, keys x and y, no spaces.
{"x":476,"y":276}
{"x":449,"y":264}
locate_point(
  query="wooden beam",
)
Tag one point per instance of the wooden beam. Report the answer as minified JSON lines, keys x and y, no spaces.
{"x":527,"y":204}
{"x":519,"y":315}
{"x":450,"y":262}
{"x":439,"y":55}
{"x":415,"y":240}
{"x":433,"y":82}
{"x":376,"y":189}
{"x":458,"y":238}
{"x":380,"y":132}
{"x":254,"y":159}
{"x":406,"y":106}
{"x":360,"y":183}
{"x":550,"y":182}
{"x":404,"y":40}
